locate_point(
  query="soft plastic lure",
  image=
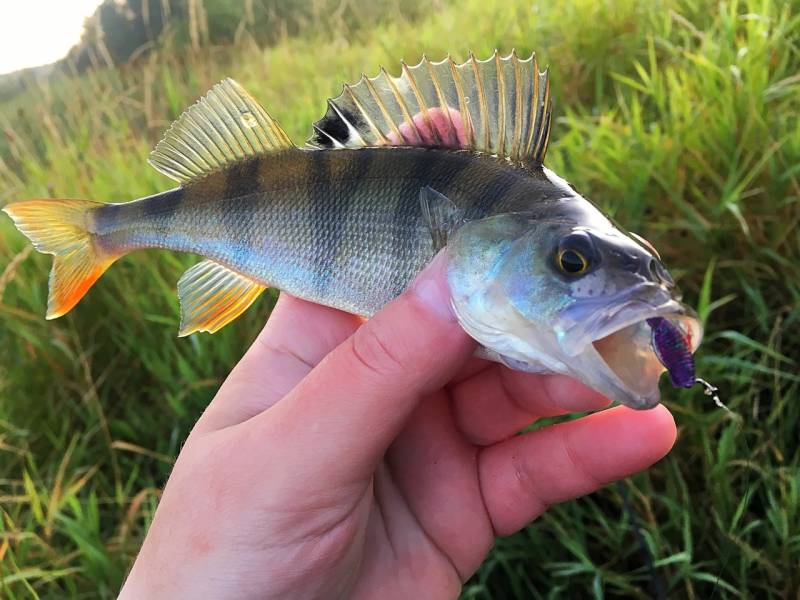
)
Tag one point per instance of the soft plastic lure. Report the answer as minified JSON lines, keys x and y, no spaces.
{"x":673,"y":349}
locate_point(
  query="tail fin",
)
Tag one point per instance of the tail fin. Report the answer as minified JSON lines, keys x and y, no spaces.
{"x":59,"y":227}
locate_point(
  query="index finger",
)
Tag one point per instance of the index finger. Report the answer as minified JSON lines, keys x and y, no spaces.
{"x":296,"y":337}
{"x":522,"y":476}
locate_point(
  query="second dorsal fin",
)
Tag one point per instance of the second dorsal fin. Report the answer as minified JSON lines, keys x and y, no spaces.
{"x":223,"y":127}
{"x":500,"y":106}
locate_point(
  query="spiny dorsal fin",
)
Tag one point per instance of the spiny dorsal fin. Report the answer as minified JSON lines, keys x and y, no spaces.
{"x":223,"y":127}
{"x":500,"y":106}
{"x":212,"y":295}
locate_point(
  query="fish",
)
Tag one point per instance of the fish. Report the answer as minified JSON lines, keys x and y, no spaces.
{"x":445,"y":155}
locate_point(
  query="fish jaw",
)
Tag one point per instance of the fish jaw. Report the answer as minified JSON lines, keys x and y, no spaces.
{"x":611,"y":343}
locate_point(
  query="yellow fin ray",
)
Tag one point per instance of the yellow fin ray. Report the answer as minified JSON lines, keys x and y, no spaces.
{"x":224,"y":127}
{"x":500,"y":106}
{"x":60,"y":228}
{"x":212,"y":295}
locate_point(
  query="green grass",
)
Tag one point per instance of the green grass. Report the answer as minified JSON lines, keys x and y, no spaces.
{"x":679,"y":117}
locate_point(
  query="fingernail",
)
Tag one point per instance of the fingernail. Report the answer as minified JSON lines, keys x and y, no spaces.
{"x":432,"y":290}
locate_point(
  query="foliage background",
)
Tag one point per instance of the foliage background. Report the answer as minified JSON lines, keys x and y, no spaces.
{"x":679,"y":117}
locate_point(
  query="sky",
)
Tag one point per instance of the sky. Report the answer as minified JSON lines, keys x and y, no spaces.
{"x":38,"y":32}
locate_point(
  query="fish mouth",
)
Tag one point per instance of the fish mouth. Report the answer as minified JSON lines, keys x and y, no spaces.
{"x":611,"y":337}
{"x":629,"y":354}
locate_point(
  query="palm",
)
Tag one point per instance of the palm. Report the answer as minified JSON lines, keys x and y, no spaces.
{"x":427,"y":526}
{"x":456,"y":475}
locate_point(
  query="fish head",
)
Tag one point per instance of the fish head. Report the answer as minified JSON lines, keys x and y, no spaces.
{"x":567,"y":291}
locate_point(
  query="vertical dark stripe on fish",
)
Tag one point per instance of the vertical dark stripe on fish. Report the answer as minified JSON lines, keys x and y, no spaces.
{"x":326,"y":226}
{"x":443,"y":177}
{"x":161,"y":207}
{"x":405,"y":215}
{"x":152,"y":212}
{"x":242,"y":192}
{"x":242,"y":179}
{"x":506,"y":191}
{"x":132,"y":225}
{"x":349,"y":208}
{"x":487,"y":191}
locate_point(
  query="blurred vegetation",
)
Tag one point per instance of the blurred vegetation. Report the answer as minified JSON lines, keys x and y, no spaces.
{"x":679,"y":117}
{"x":119,"y":31}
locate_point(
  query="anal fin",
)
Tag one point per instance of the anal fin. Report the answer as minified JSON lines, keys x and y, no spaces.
{"x":212,"y":295}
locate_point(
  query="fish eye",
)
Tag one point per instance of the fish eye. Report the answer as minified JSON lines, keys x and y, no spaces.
{"x":572,"y":262}
{"x":576,"y":253}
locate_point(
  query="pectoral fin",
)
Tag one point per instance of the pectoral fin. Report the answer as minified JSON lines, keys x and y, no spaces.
{"x":441,"y":215}
{"x":212,"y":296}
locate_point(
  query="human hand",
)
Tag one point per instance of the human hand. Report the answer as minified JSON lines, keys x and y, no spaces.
{"x":374,"y":460}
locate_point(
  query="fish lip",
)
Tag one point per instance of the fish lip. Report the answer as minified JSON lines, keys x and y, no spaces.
{"x":576,"y":331}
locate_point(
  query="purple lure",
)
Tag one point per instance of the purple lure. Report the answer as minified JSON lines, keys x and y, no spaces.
{"x":672,"y":349}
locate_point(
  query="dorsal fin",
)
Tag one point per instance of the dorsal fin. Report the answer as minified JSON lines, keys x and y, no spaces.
{"x":223,"y":127}
{"x":500,"y":106}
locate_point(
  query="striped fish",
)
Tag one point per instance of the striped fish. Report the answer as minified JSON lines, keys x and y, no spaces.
{"x":445,"y":154}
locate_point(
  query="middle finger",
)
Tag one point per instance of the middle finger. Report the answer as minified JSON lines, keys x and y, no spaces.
{"x":298,"y":335}
{"x":498,"y":402}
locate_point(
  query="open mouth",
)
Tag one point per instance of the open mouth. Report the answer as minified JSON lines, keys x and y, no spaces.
{"x":632,"y":339}
{"x":640,"y":352}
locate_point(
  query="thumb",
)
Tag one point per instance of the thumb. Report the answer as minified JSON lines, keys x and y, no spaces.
{"x":339,"y":420}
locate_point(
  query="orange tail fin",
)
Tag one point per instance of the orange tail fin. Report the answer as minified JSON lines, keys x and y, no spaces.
{"x":59,"y":227}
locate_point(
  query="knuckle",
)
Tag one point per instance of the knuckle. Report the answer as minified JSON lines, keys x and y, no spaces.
{"x":579,"y":466}
{"x":374,"y":350}
{"x":530,"y":491}
{"x":285,"y":352}
{"x":522,"y":491}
